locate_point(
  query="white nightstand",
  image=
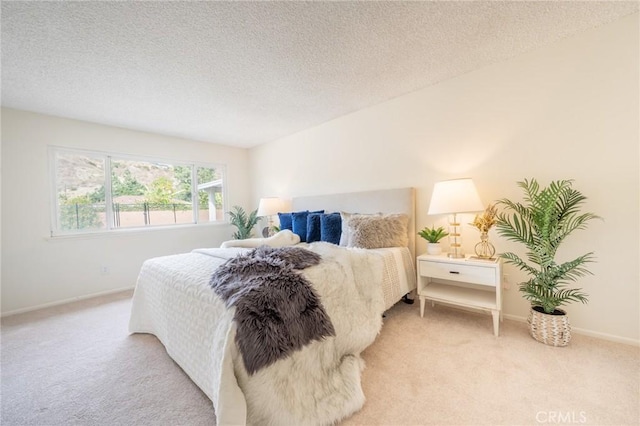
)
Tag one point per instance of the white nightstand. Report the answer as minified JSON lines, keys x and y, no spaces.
{"x":462,"y":282}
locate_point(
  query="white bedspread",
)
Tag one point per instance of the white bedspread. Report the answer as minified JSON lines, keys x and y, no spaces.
{"x":319,"y":384}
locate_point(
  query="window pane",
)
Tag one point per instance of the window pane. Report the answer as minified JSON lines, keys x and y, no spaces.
{"x":143,"y":192}
{"x":210,"y":195}
{"x":150,"y":193}
{"x":80,"y":199}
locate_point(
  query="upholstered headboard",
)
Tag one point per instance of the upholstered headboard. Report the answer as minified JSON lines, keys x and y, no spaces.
{"x":401,"y":200}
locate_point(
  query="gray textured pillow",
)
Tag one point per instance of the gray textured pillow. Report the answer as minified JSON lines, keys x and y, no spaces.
{"x":378,"y":231}
{"x":345,"y":235}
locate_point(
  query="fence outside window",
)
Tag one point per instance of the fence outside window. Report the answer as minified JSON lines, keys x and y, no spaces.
{"x":93,"y":216}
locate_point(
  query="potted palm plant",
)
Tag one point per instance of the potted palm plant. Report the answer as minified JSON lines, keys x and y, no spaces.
{"x":243,"y":221}
{"x":433,"y":236}
{"x":541,"y":224}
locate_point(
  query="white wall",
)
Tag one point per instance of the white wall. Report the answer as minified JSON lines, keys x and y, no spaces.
{"x":567,"y":111}
{"x":37,"y":270}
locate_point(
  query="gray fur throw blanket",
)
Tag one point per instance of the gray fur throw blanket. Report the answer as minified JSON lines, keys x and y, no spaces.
{"x":277,"y":310}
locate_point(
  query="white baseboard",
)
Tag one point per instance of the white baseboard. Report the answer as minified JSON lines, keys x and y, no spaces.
{"x":65,"y":301}
{"x":576,"y":330}
{"x":585,"y":332}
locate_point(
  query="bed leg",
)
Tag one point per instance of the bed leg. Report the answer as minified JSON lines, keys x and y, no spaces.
{"x":406,"y":299}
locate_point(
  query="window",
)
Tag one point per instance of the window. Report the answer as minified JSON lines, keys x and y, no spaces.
{"x":102,"y":192}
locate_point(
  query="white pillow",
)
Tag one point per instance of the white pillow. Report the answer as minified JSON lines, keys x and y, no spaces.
{"x":283,"y":238}
{"x":344,"y":236}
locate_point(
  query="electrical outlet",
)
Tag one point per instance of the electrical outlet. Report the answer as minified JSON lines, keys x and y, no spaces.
{"x":506,"y":284}
{"x":104,"y":270}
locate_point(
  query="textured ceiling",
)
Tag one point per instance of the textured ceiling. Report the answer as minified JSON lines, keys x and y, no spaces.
{"x":245,"y":73}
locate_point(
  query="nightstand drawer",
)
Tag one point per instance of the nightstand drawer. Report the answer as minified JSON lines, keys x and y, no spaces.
{"x":451,"y":271}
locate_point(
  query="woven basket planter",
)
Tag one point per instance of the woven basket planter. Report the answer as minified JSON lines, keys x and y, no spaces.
{"x":553,"y":330}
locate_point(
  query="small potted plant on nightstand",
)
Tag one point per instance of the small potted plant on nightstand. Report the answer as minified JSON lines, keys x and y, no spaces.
{"x":541,"y":223}
{"x":433,"y":236}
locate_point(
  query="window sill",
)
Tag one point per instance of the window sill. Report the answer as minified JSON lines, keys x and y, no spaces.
{"x":88,"y":235}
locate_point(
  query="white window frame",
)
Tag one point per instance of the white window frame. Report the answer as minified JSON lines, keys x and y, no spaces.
{"x":107,"y":158}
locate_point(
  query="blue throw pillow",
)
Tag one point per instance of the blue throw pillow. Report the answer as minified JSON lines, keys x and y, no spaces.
{"x":331,"y":228}
{"x":299,"y":224}
{"x":299,"y":220}
{"x":285,"y":221}
{"x":313,"y":227}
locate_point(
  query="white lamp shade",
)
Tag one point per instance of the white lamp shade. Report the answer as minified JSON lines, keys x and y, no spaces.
{"x":455,"y":196}
{"x":271,"y":205}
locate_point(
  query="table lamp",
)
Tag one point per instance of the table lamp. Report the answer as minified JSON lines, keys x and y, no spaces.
{"x":269,"y":207}
{"x":453,"y":197}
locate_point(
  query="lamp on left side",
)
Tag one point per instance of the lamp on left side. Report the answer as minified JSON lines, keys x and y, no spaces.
{"x":269,"y":207}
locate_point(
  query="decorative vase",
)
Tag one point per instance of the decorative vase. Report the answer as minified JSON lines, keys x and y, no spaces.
{"x":551,"y":329}
{"x":434,"y":249}
{"x":484,"y":249}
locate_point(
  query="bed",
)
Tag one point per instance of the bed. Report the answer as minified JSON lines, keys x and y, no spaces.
{"x":318,"y":383}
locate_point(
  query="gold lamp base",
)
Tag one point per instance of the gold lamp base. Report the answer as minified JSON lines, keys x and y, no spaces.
{"x":454,"y":239}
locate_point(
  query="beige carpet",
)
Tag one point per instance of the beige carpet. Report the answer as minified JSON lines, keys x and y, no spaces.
{"x":76,"y":365}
